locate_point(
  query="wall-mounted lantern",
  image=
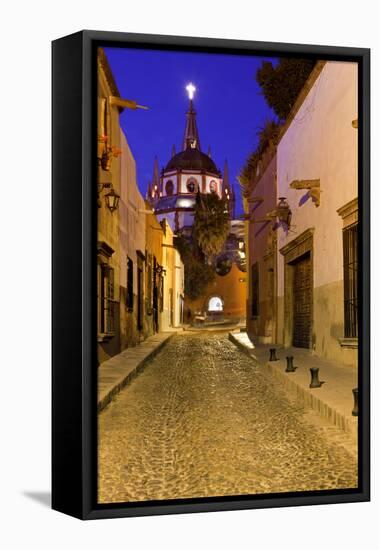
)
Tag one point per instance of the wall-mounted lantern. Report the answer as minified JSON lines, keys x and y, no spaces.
{"x":112,"y":199}
{"x":159,"y":270}
{"x":283,"y":211}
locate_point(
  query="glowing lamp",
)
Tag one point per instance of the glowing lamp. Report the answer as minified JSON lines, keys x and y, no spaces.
{"x":112,"y":200}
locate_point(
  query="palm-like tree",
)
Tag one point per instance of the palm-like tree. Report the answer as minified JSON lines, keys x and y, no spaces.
{"x":211,"y":224}
{"x":268,"y":133}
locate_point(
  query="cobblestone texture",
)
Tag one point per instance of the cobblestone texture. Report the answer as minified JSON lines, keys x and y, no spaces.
{"x":202,"y":420}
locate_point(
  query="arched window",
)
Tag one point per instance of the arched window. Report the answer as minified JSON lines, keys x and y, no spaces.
{"x":169,"y":188}
{"x":192,"y":186}
{"x":213,"y":186}
{"x":215,"y":304}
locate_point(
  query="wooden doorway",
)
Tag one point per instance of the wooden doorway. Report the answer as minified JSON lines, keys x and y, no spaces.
{"x":302,"y":302}
{"x":298,"y":291}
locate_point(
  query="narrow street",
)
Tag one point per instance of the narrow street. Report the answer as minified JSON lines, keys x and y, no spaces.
{"x":202,"y":420}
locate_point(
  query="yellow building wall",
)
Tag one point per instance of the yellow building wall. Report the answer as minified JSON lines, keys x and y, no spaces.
{"x":173,"y":281}
{"x":108,"y":222}
{"x":231,"y":288}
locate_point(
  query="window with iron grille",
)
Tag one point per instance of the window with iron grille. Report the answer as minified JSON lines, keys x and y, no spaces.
{"x":255,"y":290}
{"x":350,"y":271}
{"x":129,"y":284}
{"x":106,"y":299}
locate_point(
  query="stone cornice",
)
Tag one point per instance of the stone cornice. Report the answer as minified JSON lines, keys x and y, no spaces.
{"x":349,"y":213}
{"x":348,"y":208}
{"x":302,"y":238}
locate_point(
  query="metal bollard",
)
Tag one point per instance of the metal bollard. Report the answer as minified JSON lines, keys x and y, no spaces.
{"x":315,"y":382}
{"x":273,"y":354}
{"x":290,"y":367}
{"x":354,"y":412}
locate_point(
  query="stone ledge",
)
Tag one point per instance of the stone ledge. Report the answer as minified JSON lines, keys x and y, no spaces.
{"x":351,"y":343}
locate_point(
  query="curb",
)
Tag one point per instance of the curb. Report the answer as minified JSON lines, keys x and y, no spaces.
{"x":303,"y":395}
{"x":242,"y":347}
{"x":309,"y":399}
{"x":126,"y":378}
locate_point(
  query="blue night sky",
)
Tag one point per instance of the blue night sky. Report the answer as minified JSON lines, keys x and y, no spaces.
{"x":229,"y":104}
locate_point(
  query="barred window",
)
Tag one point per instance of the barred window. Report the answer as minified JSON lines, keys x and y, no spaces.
{"x":107,"y":299}
{"x":255,"y":290}
{"x":129,"y":284}
{"x":350,"y":270}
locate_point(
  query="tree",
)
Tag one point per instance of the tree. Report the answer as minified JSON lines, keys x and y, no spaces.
{"x":211,"y":225}
{"x":267,"y":134}
{"x":282,"y":84}
{"x":197,"y":274}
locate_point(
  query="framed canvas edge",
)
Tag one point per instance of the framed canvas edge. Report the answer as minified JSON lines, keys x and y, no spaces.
{"x":87,"y":508}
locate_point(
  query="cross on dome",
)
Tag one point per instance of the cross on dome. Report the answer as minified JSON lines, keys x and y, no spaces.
{"x":191,"y":90}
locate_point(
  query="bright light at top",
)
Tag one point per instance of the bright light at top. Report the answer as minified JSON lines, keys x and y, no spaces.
{"x":191,"y":90}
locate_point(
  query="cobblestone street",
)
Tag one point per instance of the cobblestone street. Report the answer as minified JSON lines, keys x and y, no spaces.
{"x":203,"y":420}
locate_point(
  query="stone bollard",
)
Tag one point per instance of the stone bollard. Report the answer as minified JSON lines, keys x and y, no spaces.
{"x":273,"y":354}
{"x":354,"y":412}
{"x":290,"y":367}
{"x":315,"y":382}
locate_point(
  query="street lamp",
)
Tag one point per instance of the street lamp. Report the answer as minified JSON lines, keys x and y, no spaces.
{"x":283,"y":211}
{"x":111,"y":200}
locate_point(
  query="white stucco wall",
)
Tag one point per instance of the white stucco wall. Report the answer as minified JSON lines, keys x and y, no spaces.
{"x":321,"y":143}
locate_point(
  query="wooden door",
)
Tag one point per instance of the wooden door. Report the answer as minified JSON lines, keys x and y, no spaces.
{"x":302,"y":303}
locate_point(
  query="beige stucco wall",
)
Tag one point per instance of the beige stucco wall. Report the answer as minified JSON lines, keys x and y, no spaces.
{"x":263,"y":327}
{"x":131,"y":238}
{"x":320,"y":143}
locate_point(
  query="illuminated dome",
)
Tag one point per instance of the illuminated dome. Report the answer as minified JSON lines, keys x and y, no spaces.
{"x":173,"y":190}
{"x":192,"y":159}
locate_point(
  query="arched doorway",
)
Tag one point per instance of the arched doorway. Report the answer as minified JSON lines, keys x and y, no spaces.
{"x":215,"y":305}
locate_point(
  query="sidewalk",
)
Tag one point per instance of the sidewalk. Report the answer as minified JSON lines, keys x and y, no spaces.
{"x":333,"y":400}
{"x":119,"y":370}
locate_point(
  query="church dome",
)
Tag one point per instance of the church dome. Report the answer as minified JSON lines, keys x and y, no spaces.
{"x":192,"y":159}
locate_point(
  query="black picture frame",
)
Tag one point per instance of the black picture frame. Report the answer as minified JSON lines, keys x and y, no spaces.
{"x":74,"y":412}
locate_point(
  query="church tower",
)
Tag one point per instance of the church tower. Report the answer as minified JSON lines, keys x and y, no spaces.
{"x":173,"y":192}
{"x":228,"y":191}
